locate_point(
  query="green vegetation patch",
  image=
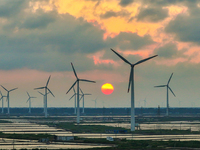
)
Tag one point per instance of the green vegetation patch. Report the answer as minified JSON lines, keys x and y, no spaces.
{"x":143,"y":144}
{"x":165,"y":132}
{"x":5,"y":121}
{"x":26,"y":136}
{"x":84,"y":128}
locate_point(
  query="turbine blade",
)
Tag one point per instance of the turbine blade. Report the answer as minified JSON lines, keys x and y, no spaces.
{"x":4,"y":88}
{"x":50,"y":92}
{"x":121,"y":57}
{"x":74,"y":71}
{"x":141,"y":61}
{"x":81,"y":97}
{"x":74,"y":90}
{"x":71,"y":87}
{"x":81,"y":91}
{"x":7,"y":97}
{"x":48,"y":80}
{"x":72,"y":97}
{"x":171,"y":91}
{"x":41,"y":93}
{"x":28,"y":100}
{"x":1,"y":93}
{"x":130,"y":79}
{"x":169,"y":79}
{"x":161,"y":86}
{"x":28,"y":94}
{"x":13,"y":89}
{"x":86,"y":80}
{"x":39,"y":88}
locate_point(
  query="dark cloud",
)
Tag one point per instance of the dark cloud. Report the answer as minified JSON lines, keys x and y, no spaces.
{"x":169,"y":51}
{"x":38,"y":20}
{"x":125,"y":2}
{"x":185,"y":28}
{"x":110,"y":14}
{"x":9,"y":8}
{"x":152,"y":14}
{"x":164,"y":3}
{"x":130,"y":41}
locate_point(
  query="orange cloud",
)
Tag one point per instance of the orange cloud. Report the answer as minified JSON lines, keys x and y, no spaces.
{"x":122,"y":19}
{"x":97,"y":57}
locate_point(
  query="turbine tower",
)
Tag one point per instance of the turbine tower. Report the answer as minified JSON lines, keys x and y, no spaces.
{"x":145,"y":102}
{"x":131,"y":83}
{"x":29,"y":99}
{"x":77,"y":81}
{"x":2,"y":98}
{"x":75,"y":94}
{"x":95,"y":102}
{"x":168,"y":88}
{"x":82,"y":97}
{"x":46,"y":88}
{"x":8,"y":95}
{"x":43,"y":100}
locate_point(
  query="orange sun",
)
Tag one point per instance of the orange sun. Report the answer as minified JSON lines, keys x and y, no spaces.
{"x":107,"y":88}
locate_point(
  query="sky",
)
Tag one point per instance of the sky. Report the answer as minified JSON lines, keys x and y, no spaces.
{"x":42,"y":38}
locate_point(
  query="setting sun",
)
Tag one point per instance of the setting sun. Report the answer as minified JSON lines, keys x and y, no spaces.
{"x":107,"y":88}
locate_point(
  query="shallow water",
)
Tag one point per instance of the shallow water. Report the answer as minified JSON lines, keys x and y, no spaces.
{"x":180,"y":125}
{"x":22,"y":126}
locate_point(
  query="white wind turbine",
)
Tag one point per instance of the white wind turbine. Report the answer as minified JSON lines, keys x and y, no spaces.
{"x":168,"y":88}
{"x":75,"y":94}
{"x":95,"y":102}
{"x":2,"y":98}
{"x":29,"y":99}
{"x":44,"y":104}
{"x":46,"y":88}
{"x":82,"y":97}
{"x":8,"y":96}
{"x":131,"y":83}
{"x":77,"y":82}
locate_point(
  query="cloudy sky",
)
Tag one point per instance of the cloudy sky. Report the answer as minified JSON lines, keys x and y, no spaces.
{"x":41,"y":38}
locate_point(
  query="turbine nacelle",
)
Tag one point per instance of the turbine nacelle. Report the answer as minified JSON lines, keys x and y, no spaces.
{"x":167,"y":85}
{"x":77,"y":79}
{"x":45,"y":87}
{"x":132,"y":65}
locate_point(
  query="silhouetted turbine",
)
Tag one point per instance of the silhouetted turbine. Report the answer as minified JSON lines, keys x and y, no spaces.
{"x":44,"y":104}
{"x":46,"y":88}
{"x":75,"y":95}
{"x":77,"y":82}
{"x":2,"y":98}
{"x":167,"y":111}
{"x":131,"y":83}
{"x":95,"y":102}
{"x":82,"y":97}
{"x":8,"y":96}
{"x":29,"y":99}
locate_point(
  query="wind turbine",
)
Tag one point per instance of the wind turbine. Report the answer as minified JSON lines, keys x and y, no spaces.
{"x":82,"y":97}
{"x":8,"y":94}
{"x":43,"y":100}
{"x":131,"y":83}
{"x":168,"y":88}
{"x":77,"y":81}
{"x":75,"y":94}
{"x":145,"y":102}
{"x":46,"y":88}
{"x":2,"y":96}
{"x":95,"y":102}
{"x":29,"y":99}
